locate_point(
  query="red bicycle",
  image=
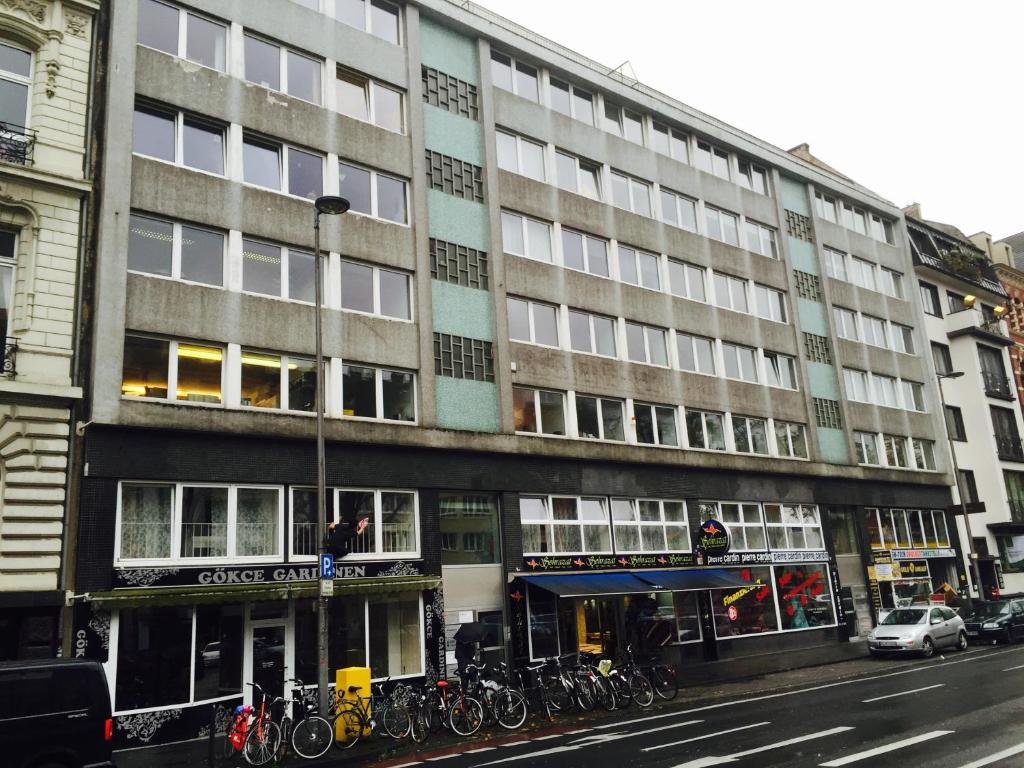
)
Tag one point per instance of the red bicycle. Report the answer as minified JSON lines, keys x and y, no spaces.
{"x":263,"y":735}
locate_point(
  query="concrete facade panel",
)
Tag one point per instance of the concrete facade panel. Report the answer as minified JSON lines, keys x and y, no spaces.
{"x":462,"y":311}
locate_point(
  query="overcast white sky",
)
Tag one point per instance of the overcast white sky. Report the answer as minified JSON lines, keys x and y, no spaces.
{"x":920,"y":101}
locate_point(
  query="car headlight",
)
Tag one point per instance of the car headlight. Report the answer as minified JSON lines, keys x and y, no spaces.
{"x":991,"y":625}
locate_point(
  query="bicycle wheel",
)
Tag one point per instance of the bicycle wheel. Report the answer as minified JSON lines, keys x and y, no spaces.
{"x":434,"y":712}
{"x":665,"y":683}
{"x":604,"y":693}
{"x":395,"y":719}
{"x":623,"y":698}
{"x":509,"y":708}
{"x":419,"y":728}
{"x":261,"y":743}
{"x":348,"y":727}
{"x":312,"y":737}
{"x":557,"y":694}
{"x":466,"y":716}
{"x":586,"y":697}
{"x":641,"y":690}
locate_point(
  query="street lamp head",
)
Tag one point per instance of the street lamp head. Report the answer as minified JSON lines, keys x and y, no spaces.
{"x":951,"y":375}
{"x":331,"y":205}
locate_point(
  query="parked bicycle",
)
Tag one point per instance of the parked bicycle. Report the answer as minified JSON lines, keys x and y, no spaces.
{"x":604,"y":690}
{"x":264,"y":735}
{"x":502,"y":705}
{"x":361,"y":716}
{"x":630,"y":682}
{"x":448,"y":706}
{"x":309,"y":734}
{"x":662,"y":676}
{"x":536,"y":694}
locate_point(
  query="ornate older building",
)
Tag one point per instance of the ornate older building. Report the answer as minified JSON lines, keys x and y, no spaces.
{"x":45,"y":76}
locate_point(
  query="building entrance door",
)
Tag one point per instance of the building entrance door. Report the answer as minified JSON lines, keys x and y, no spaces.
{"x":269,"y":651}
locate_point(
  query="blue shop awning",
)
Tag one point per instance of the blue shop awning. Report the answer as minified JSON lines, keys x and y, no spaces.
{"x":587,"y":584}
{"x":702,"y":578}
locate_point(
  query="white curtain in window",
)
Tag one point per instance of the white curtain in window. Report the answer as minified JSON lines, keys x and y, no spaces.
{"x":146,"y":521}
{"x":257,"y":521}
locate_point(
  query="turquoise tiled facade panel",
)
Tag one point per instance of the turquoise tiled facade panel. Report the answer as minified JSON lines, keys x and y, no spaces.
{"x":448,"y":52}
{"x":812,"y":316}
{"x":452,"y":135}
{"x":462,"y":311}
{"x":823,"y":380}
{"x":466,"y":404}
{"x":458,"y":221}
{"x":802,"y":255}
{"x":794,"y":195}
{"x":832,"y":446}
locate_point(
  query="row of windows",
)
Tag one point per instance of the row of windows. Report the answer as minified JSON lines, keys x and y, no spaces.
{"x":197,"y":254}
{"x":858,"y":326}
{"x":903,"y":529}
{"x":600,"y":182}
{"x":554,"y":244}
{"x":594,"y":417}
{"x":888,"y":391}
{"x":537,"y":85}
{"x":853,"y":269}
{"x":562,"y":327}
{"x":186,"y":372}
{"x":839,"y":211}
{"x":894,"y":451}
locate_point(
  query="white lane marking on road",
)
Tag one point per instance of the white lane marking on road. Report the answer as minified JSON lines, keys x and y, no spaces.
{"x":482,"y":749}
{"x":442,"y":757}
{"x":514,"y":743}
{"x":705,"y":736}
{"x":545,"y":738}
{"x":705,"y":762}
{"x":884,"y":748}
{"x":406,"y":765}
{"x":1011,"y":669}
{"x":578,"y":730}
{"x":902,"y":693}
{"x":1008,"y":752}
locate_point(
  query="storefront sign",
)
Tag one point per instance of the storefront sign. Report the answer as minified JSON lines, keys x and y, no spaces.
{"x":769,"y":558}
{"x":914,"y":569}
{"x":713,"y":538}
{"x":921,"y":554}
{"x":819,"y":556}
{"x":274,"y":573}
{"x":540,"y":564}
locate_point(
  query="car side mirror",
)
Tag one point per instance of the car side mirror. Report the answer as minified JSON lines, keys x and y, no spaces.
{"x":936,"y":621}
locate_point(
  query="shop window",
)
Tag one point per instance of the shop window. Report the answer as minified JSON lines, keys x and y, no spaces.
{"x":650,"y":525}
{"x":576,"y":525}
{"x":396,"y":646}
{"x":793,"y":526}
{"x":804,"y":596}
{"x":378,"y":393}
{"x":552,"y":623}
{"x":391,"y":522}
{"x":745,"y":610}
{"x":218,"y":651}
{"x":746,"y":528}
{"x":874,"y":528}
{"x":470,"y":521}
{"x":844,"y":532}
{"x":154,"y":657}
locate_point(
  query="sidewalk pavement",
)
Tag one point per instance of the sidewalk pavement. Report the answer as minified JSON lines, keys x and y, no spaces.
{"x":194,"y":754}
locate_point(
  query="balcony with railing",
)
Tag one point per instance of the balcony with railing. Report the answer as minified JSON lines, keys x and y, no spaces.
{"x":1009,"y":447}
{"x":7,"y":370}
{"x":17,"y":144}
{"x":397,"y":537}
{"x":997,"y":385}
{"x":1016,"y":510}
{"x":972,"y":321}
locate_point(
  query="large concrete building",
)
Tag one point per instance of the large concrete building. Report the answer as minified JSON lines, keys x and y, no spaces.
{"x":46,"y":71}
{"x":575,"y":329}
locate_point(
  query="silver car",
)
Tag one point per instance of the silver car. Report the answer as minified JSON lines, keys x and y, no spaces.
{"x":918,"y":630}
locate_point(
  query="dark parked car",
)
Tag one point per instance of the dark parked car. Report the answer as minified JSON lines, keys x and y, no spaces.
{"x":996,"y":621}
{"x":54,"y":713}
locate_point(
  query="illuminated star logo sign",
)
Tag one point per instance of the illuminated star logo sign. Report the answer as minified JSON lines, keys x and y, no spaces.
{"x":710,"y":528}
{"x":517,"y":595}
{"x":578,"y":562}
{"x":532,"y":563}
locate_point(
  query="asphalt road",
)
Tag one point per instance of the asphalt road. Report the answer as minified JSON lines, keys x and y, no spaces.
{"x":963,"y":711}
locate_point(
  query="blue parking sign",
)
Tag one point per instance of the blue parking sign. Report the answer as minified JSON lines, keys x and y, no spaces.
{"x":326,"y":566}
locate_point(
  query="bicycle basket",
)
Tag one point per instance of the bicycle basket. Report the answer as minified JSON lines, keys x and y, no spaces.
{"x":604,"y":666}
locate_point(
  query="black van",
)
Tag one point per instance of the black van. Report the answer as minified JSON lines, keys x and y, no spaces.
{"x":54,"y":713}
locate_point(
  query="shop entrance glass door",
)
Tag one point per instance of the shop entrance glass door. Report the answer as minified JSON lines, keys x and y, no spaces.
{"x":595,"y":625}
{"x":268,"y":658}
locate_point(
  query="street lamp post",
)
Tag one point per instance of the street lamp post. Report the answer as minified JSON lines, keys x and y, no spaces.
{"x":972,"y":556}
{"x":329,"y":205}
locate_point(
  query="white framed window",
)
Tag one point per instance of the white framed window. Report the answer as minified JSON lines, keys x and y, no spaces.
{"x":712,"y":160}
{"x":862,"y":273}
{"x":895,"y":451}
{"x":780,"y":370}
{"x":857,"y":385}
{"x":392,"y":522}
{"x":578,"y":175}
{"x":770,"y":303}
{"x":638,"y":267}
{"x":886,"y":391}
{"x":696,"y":353}
{"x":623,"y":122}
{"x":739,"y":362}
{"x":866,"y":444}
{"x":373,"y":290}
{"x":565,"y":525}
{"x":182,"y":372}
{"x":631,"y":194}
{"x":855,"y":219}
{"x":750,"y":434}
{"x":793,"y":526}
{"x":721,"y":225}
{"x":373,"y":193}
{"x":281,"y":69}
{"x":16,"y":72}
{"x":274,"y":165}
{"x":790,"y":439}
{"x":874,"y":331}
{"x":532,"y":322}
{"x":881,"y":229}
{"x":277,"y":382}
{"x":924,"y":454}
{"x":846,"y":323}
{"x":913,"y":395}
{"x":646,"y":344}
{"x":593,"y":334}
{"x":378,"y":394}
{"x":449,"y":542}
{"x":825,"y":205}
{"x":731,"y":293}
{"x":359,"y":97}
{"x":523,"y":236}
{"x":378,"y":17}
{"x":585,"y":253}
{"x":515,"y":76}
{"x":174,"y":137}
{"x":761,"y":239}
{"x":274,"y":270}
{"x":891,"y":283}
{"x":752,"y":176}
{"x":678,"y":210}
{"x":835,"y":264}
{"x":538,"y":411}
{"x":571,"y":101}
{"x":599,"y":418}
{"x":687,"y":280}
{"x":182,"y":33}
{"x":655,"y":424}
{"x":189,"y":522}
{"x":649,"y":525}
{"x":705,"y":429}
{"x":671,"y":143}
{"x":8,"y":262}
{"x":522,"y":156}
{"x":172,"y":249}
{"x":745,"y":524}
{"x":902,"y":338}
